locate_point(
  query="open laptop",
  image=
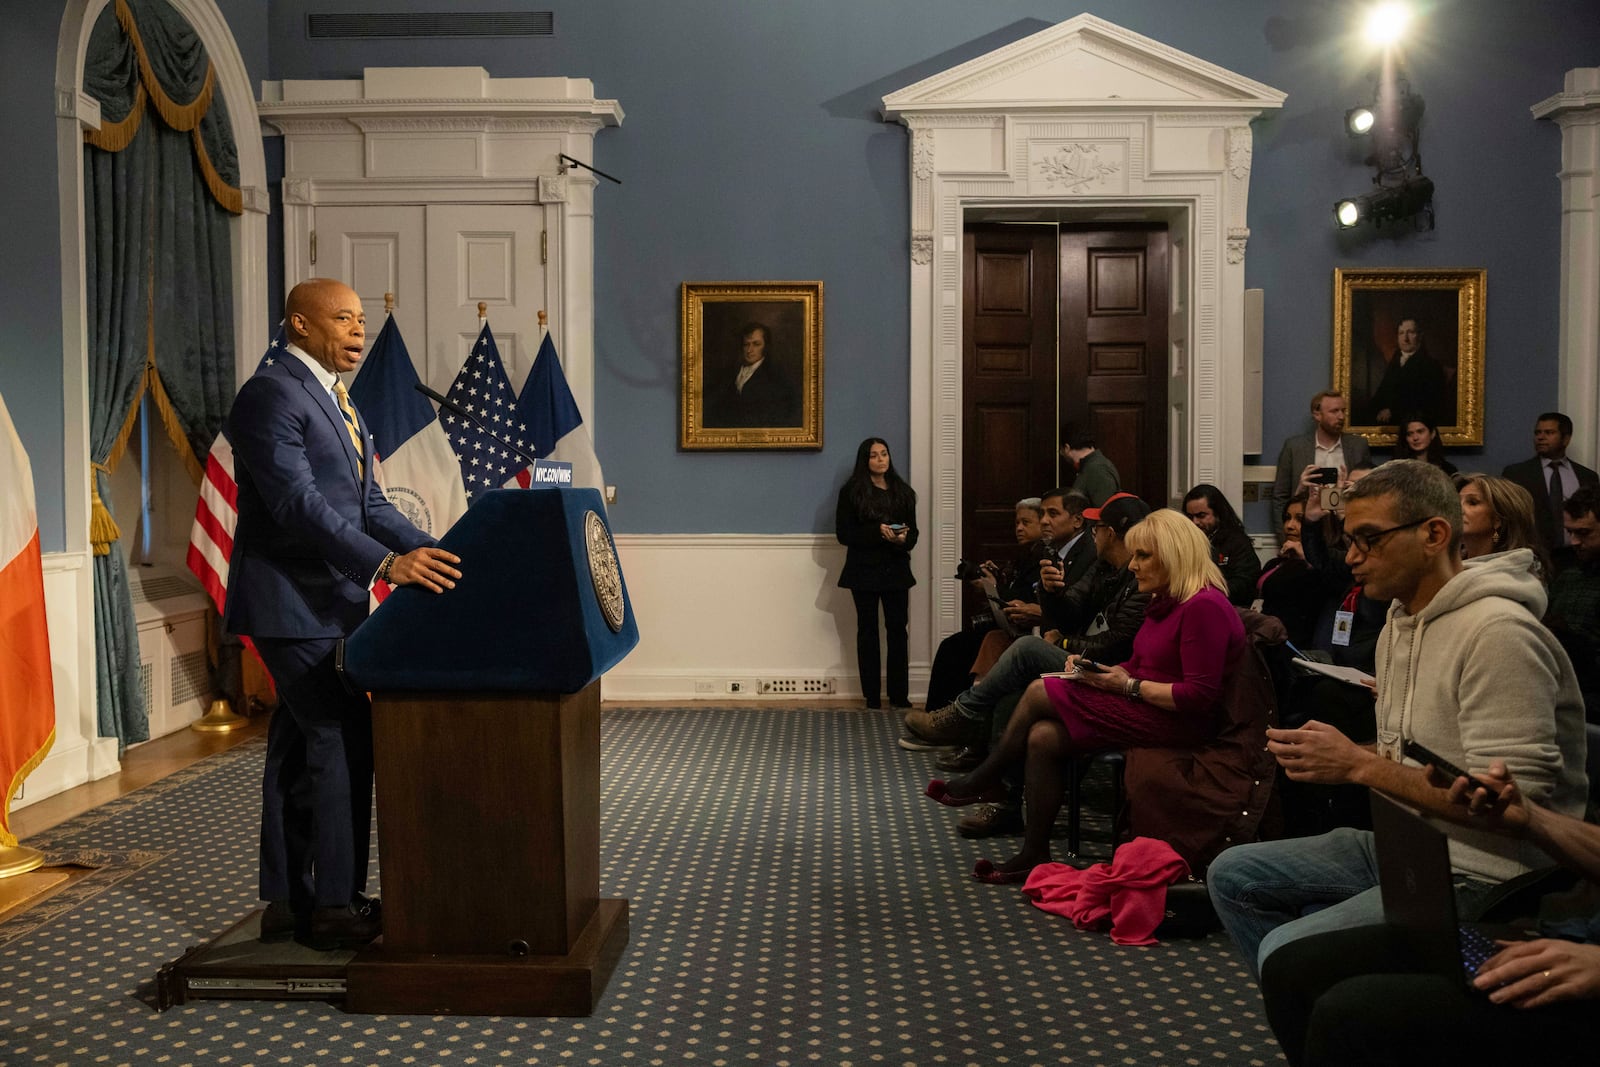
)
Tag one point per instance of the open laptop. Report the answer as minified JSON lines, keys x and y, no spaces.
{"x":1419,"y":897}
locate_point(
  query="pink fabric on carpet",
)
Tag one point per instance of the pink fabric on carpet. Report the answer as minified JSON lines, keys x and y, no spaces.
{"x":1130,"y":892}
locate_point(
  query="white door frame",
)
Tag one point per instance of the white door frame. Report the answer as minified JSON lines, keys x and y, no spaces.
{"x":1084,"y":114}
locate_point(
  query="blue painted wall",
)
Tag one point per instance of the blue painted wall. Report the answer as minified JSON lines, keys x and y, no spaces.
{"x":752,"y":150}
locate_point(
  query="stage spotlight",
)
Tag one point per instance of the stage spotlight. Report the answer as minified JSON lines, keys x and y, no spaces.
{"x":1386,"y":23}
{"x":1359,"y":120}
{"x":1410,"y":199}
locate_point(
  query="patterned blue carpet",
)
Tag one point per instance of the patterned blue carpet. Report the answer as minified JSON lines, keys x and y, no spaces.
{"x":794,"y":900}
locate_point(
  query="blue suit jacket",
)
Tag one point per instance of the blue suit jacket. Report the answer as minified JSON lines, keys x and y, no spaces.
{"x":312,"y":531}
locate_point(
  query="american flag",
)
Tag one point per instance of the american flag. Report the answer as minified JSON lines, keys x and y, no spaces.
{"x":216,"y":513}
{"x":483,"y":389}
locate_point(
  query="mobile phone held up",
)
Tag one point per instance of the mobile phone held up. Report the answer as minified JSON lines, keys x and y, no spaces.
{"x":1415,"y":750}
{"x":897,"y":526}
{"x":1326,"y":476}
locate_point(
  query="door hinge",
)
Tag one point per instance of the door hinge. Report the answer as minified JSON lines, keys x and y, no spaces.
{"x":313,"y":248}
{"x":544,"y":247}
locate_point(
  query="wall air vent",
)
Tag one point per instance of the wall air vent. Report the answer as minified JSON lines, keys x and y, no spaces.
{"x":338,"y":26}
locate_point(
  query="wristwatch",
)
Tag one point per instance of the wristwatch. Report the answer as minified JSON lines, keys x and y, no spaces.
{"x":1133,"y":687}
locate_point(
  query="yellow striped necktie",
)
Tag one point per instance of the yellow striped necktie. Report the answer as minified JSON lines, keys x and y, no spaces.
{"x":342,"y":395}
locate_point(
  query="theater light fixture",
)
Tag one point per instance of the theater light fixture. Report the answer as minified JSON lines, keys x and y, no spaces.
{"x":1391,"y":128}
{"x":1359,"y":120}
{"x":1410,"y":199}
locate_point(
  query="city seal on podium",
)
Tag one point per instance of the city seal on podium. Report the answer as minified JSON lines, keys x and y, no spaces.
{"x":604,"y":570}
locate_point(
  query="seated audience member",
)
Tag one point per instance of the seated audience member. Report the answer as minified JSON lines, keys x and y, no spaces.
{"x":1064,"y":549}
{"x":1552,"y":433}
{"x":1418,"y":438}
{"x":1360,"y":995}
{"x":1231,"y":548}
{"x":1464,"y":668}
{"x":1166,"y":694}
{"x":1289,"y":590}
{"x":1099,"y":616}
{"x":1014,"y":579}
{"x":1097,"y":476}
{"x":1497,"y":516}
{"x":1346,"y":630}
{"x":1574,"y":615}
{"x":1327,"y":445}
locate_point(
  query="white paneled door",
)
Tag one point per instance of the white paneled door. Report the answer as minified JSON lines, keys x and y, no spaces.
{"x":440,"y":261}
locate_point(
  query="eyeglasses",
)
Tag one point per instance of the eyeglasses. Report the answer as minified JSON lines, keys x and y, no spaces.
{"x":1365,"y":543}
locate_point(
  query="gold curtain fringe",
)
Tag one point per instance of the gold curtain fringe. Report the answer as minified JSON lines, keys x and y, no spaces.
{"x":102,"y":527}
{"x":7,"y":838}
{"x":229,"y":196}
{"x":174,"y":428}
{"x":185,"y":118}
{"x":115,"y":136}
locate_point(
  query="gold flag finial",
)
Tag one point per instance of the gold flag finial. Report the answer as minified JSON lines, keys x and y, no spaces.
{"x":388,"y":303}
{"x":483,"y":309}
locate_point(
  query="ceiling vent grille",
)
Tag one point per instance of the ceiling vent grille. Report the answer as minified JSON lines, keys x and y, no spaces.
{"x":329,"y":25}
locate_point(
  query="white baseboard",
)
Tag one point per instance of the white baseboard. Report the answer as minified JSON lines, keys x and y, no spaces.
{"x":716,"y":608}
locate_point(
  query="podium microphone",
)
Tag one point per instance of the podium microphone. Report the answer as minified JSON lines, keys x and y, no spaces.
{"x":456,"y":409}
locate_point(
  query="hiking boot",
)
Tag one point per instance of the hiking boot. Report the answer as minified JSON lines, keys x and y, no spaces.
{"x":944,"y":726}
{"x":913,"y":743}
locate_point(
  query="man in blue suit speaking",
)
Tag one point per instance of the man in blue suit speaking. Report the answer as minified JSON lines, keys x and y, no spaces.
{"x":315,"y":533}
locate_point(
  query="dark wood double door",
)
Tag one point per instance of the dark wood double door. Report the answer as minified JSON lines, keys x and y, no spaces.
{"x":1061,"y":324}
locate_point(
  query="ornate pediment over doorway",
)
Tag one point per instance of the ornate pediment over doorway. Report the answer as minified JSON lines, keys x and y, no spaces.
{"x":1080,"y":119}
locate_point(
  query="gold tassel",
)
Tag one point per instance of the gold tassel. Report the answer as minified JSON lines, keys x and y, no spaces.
{"x":102,"y":527}
{"x":174,"y":428}
{"x":115,"y":136}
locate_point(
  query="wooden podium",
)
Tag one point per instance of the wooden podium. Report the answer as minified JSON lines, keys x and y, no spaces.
{"x":486,"y":746}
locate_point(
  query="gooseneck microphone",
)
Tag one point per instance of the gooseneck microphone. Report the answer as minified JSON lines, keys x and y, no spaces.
{"x":456,"y":409}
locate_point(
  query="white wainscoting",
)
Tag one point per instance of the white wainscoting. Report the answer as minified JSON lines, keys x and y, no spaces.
{"x":715,"y":608}
{"x":77,"y":756}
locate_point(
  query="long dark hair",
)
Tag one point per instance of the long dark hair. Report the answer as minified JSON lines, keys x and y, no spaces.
{"x":902,"y":498}
{"x":1435,"y":451}
{"x":1227,"y":518}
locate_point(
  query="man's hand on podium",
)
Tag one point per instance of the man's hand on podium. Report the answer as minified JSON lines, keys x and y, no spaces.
{"x":427,"y":567}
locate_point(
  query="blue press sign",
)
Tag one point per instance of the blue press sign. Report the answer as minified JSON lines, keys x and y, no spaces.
{"x":551,"y":472}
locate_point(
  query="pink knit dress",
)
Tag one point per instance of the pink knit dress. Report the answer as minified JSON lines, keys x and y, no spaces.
{"x":1193,"y":645}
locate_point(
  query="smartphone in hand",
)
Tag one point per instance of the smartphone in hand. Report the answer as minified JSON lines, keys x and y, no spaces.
{"x":1425,"y":756}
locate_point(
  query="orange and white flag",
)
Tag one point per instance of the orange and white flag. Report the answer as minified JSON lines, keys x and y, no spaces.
{"x":27,"y":695}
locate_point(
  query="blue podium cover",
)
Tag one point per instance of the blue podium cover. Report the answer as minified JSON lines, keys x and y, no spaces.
{"x":541,"y":605}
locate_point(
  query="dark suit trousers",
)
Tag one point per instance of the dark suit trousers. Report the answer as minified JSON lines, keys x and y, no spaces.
{"x":896,"y":610}
{"x":316,"y":790}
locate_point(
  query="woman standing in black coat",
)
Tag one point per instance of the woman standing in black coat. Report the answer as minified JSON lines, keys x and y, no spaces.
{"x":877,"y":524}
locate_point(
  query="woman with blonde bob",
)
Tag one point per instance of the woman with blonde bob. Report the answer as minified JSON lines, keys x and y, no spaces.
{"x":1167,"y":694}
{"x":1497,"y":516}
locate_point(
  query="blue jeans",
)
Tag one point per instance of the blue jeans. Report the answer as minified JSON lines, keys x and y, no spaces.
{"x":1021,"y":663}
{"x":1263,"y":891}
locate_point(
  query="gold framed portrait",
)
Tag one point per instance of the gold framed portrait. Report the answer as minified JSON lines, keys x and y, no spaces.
{"x":1409,"y":344}
{"x":751,"y":366}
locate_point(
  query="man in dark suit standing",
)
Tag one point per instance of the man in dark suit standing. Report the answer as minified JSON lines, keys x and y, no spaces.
{"x":315,"y":532}
{"x":758,"y":394}
{"x":1550,"y":477}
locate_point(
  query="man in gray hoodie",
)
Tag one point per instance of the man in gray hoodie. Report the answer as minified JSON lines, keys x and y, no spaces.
{"x":1464,"y":668}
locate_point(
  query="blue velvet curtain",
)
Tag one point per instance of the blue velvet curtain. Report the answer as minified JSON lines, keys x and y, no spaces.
{"x":160,"y":180}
